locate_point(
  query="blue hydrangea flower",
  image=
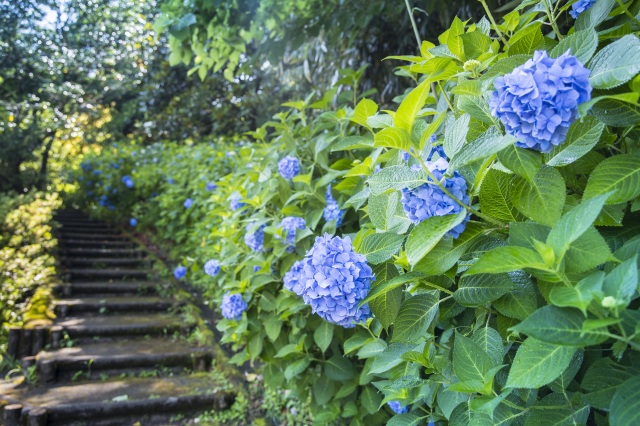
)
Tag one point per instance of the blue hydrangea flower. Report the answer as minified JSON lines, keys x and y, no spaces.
{"x":289,"y":167}
{"x":188,"y":203}
{"x":332,"y":209}
{"x":230,"y":154}
{"x":128,"y":182}
{"x":211,"y":186}
{"x":171,"y":181}
{"x":233,"y":306}
{"x":255,"y":240}
{"x":179,"y":272}
{"x":429,"y":200}
{"x":538,"y":101}
{"x":397,"y":407}
{"x":290,"y":225}
{"x":133,"y":221}
{"x":85,"y":166}
{"x":256,"y":268}
{"x":405,"y":156}
{"x":234,"y":202}
{"x":580,"y":6}
{"x":97,"y":172}
{"x":115,"y":165}
{"x":212,"y":267}
{"x":333,"y":279}
{"x":439,"y":149}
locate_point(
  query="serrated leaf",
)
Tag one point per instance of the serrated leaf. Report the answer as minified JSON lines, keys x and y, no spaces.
{"x":379,"y":289}
{"x":389,"y":358}
{"x":582,"y":45}
{"x":594,"y":15}
{"x":521,"y":301}
{"x":601,"y":381}
{"x":478,"y":290}
{"x":507,"y":259}
{"x":490,"y":342}
{"x":470,"y":362}
{"x":387,"y":214}
{"x":489,"y":143}
{"x":339,"y":368}
{"x":323,"y":335}
{"x":625,"y":405}
{"x":523,"y":162}
{"x":405,"y":419}
{"x":455,"y":135}
{"x":542,"y":199}
{"x":560,"y":326}
{"x":370,"y":399}
{"x":396,"y":177}
{"x":428,"y":233}
{"x":616,"y":63}
{"x":416,"y":314}
{"x":393,"y":137}
{"x":476,"y":107}
{"x":409,"y":107}
{"x":352,"y":142}
{"x":296,"y":367}
{"x":620,"y":173}
{"x":538,"y":363}
{"x":495,"y":200}
{"x":380,"y":247}
{"x":579,"y":296}
{"x":387,"y":306}
{"x":526,"y":40}
{"x":365,"y":109}
{"x":622,"y":282}
{"x":581,"y":138}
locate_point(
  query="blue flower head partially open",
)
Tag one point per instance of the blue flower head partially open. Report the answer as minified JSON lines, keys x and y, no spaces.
{"x":234,"y":201}
{"x":290,"y":225}
{"x":289,"y":167}
{"x":397,"y":407}
{"x":255,"y":239}
{"x":211,"y":186}
{"x":128,"y":181}
{"x":133,"y":221}
{"x":179,"y":272}
{"x":333,"y":279}
{"x":233,"y":306}
{"x":430,"y":200}
{"x":188,"y":203}
{"x":332,"y":209}
{"x":212,"y":267}
{"x":538,"y":101}
{"x":580,"y":6}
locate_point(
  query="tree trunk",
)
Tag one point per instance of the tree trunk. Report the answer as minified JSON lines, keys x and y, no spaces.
{"x":42,"y":176}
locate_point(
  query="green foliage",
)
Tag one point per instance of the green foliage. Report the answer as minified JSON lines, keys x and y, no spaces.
{"x":529,"y":316}
{"x":27,"y":264}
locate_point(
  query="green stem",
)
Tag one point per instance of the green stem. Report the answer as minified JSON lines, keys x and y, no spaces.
{"x":446,"y":98}
{"x":626,"y":11}
{"x":413,"y":24}
{"x":493,"y":22}
{"x":552,"y":20}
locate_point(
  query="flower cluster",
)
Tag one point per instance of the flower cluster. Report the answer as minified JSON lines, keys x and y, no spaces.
{"x":397,"y":407}
{"x":289,"y":167}
{"x":211,"y":186}
{"x":430,"y":200}
{"x":179,"y":272}
{"x":290,"y":225}
{"x":128,"y":182}
{"x":133,"y":221}
{"x":234,"y":202}
{"x":333,"y":279}
{"x":188,"y":203}
{"x":439,"y":149}
{"x":580,"y":6}
{"x":233,"y":306}
{"x":332,"y":209}
{"x":255,"y":240}
{"x":538,"y":101}
{"x":212,"y":267}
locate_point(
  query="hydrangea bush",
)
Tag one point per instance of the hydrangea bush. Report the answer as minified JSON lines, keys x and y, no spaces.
{"x":504,"y":249}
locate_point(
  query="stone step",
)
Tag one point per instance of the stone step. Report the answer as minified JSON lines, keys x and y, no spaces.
{"x":103,"y":262}
{"x":109,"y":288}
{"x":82,"y":242}
{"x":112,"y":304}
{"x":92,"y":326}
{"x":106,"y":236}
{"x":115,"y":273}
{"x":120,"y":401}
{"x":88,"y":229}
{"x":87,"y":252}
{"x":93,"y":360}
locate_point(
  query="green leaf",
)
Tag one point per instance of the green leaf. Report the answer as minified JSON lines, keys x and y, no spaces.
{"x":353,"y":142}
{"x":538,"y":363}
{"x":380,"y":247}
{"x":582,"y":45}
{"x":455,"y":135}
{"x":468,"y":87}
{"x":560,"y":326}
{"x":490,"y":342}
{"x":428,"y":233}
{"x":370,"y":400}
{"x":507,"y":259}
{"x":523,"y":162}
{"x":495,"y":200}
{"x":365,"y":109}
{"x":323,"y":390}
{"x":521,"y":301}
{"x":581,"y":138}
{"x":415,"y":316}
{"x":338,"y":368}
{"x":393,"y":137}
{"x":622,"y":281}
{"x":323,"y":335}
{"x":296,"y":367}
{"x":405,"y":419}
{"x":475,"y":44}
{"x":387,"y":214}
{"x":542,"y":199}
{"x":476,"y":107}
{"x":478,"y":290}
{"x":383,"y":287}
{"x":625,"y":405}
{"x":588,"y":251}
{"x":487,"y":144}
{"x":408,"y":109}
{"x":389,"y":358}
{"x":575,"y":223}
{"x":470,"y":362}
{"x":620,"y":173}
{"x":396,"y":177}
{"x":601,"y":381}
{"x":616,"y":63}
{"x":387,"y":306}
{"x":617,"y":112}
{"x":594,"y":15}
{"x":579,"y":296}
{"x":526,"y":40}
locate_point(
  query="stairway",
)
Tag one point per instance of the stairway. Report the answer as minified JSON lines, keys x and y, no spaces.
{"x":119,"y":351}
